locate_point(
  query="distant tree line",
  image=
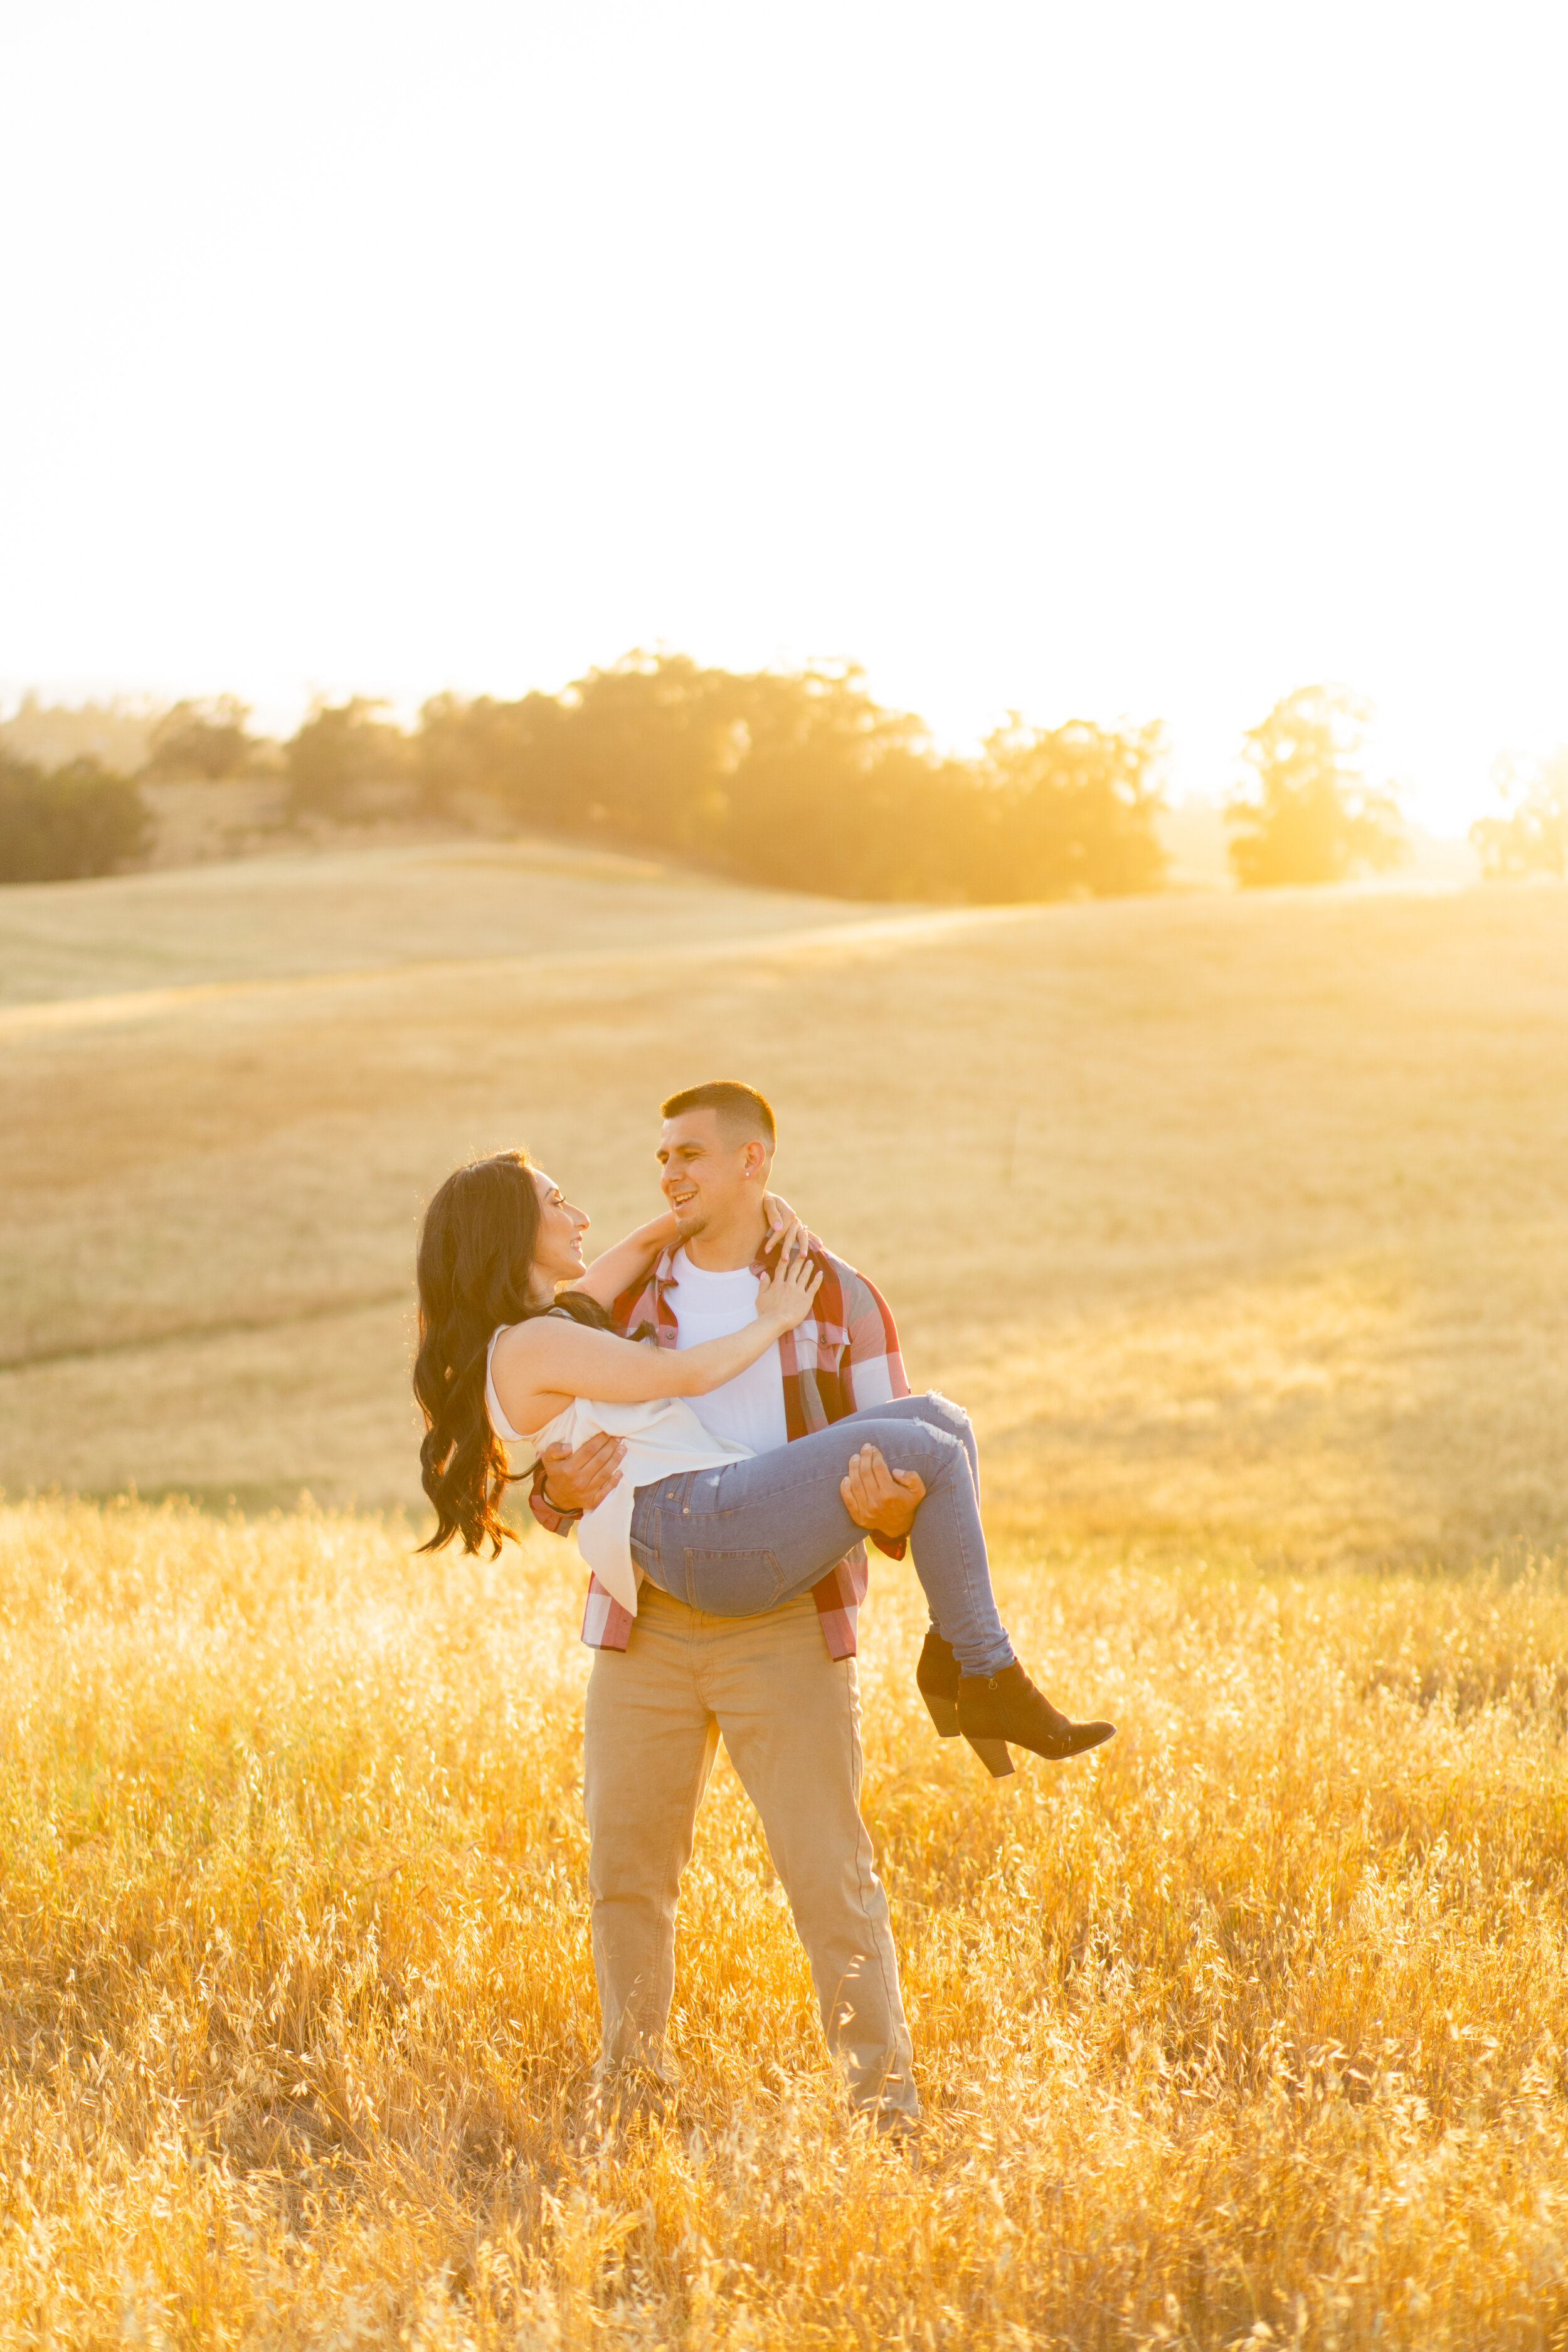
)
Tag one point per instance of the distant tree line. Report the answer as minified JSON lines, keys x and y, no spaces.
{"x":63,"y":824}
{"x":1532,"y":838}
{"x":792,"y":780}
{"x":803,"y":782}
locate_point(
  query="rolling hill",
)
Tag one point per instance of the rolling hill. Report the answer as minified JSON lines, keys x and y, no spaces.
{"x":1237,"y":1220}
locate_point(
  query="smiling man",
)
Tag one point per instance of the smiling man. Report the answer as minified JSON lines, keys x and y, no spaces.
{"x":779,"y":1689}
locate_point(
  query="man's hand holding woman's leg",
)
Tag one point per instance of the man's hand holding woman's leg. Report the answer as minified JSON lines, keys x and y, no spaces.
{"x":882,"y":1501}
{"x":579,"y":1481}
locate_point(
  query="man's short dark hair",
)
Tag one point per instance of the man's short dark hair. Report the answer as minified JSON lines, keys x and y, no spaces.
{"x":741,"y":1111}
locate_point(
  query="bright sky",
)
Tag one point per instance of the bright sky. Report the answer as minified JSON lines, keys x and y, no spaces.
{"x":1101,"y":359}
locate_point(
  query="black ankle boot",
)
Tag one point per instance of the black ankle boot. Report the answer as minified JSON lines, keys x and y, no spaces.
{"x":995,"y":1708}
{"x":938,"y":1675}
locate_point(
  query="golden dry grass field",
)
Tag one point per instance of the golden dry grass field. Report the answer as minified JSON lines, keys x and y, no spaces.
{"x":1228,"y":1216}
{"x":1241,"y":1225}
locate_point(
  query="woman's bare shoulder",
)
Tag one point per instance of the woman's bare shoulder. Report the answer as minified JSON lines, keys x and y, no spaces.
{"x":520,"y":1371}
{"x":520,"y":1345}
{"x":548,"y":1361}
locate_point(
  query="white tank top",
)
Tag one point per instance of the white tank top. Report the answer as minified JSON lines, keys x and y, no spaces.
{"x":663,"y":1438}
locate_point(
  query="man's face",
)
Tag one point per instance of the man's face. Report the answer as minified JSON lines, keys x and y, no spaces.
{"x":706,"y":1172}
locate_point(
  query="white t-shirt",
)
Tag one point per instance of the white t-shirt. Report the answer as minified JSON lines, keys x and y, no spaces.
{"x":749,"y":1410}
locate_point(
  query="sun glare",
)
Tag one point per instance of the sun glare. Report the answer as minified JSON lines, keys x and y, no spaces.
{"x":1115,"y":363}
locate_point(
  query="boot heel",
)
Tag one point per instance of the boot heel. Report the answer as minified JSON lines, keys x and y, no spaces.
{"x":992,"y":1754}
{"x":943,"y":1713}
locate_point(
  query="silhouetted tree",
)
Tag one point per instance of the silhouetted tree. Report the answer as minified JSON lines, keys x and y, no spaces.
{"x":205,"y":742}
{"x":502,"y":751}
{"x":1067,"y":811}
{"x":647,"y":749}
{"x":830,"y":791}
{"x":1533,"y":837}
{"x":339,"y":747}
{"x":68,"y":824}
{"x":1310,"y":816}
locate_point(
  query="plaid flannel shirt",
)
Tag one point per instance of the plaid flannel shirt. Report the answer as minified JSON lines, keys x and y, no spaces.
{"x":843,"y":1359}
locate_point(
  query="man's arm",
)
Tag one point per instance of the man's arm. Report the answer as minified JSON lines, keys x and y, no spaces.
{"x":880,"y":1500}
{"x":566,"y":1485}
{"x":875,"y":1364}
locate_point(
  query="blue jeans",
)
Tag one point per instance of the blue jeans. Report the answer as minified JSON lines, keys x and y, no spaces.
{"x":747,"y":1537}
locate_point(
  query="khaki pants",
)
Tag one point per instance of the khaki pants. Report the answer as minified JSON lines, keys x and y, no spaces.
{"x":790,"y":1718}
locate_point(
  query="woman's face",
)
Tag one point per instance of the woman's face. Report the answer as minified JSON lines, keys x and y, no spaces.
{"x":558,"y":1252}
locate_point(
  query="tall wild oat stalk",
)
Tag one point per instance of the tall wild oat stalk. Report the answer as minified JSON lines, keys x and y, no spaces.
{"x":1250,"y":2031}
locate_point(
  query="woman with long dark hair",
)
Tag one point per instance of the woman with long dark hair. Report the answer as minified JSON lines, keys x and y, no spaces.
{"x":515,"y":1345}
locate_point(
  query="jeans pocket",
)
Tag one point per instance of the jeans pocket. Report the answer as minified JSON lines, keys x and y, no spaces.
{"x":733,"y":1583}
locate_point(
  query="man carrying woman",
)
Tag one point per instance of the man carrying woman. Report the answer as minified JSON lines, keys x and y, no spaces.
{"x":723,"y":1603}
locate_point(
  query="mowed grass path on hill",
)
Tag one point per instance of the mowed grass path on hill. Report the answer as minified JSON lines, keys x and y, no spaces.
{"x":1235,"y":1219}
